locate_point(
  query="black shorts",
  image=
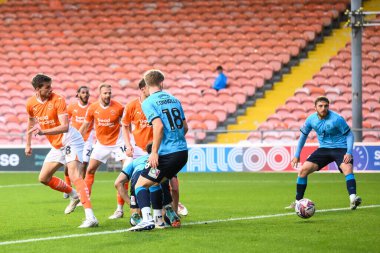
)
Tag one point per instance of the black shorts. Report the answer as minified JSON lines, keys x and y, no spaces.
{"x":168,"y":166}
{"x":324,"y":156}
{"x":132,"y":193}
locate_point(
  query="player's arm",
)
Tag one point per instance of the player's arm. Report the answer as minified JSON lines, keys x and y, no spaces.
{"x":305,"y":130}
{"x":28,"y":146}
{"x":89,"y":118}
{"x":350,"y":146}
{"x":185,"y":126}
{"x":158,"y":132}
{"x":346,"y":131}
{"x":119,"y":184}
{"x":84,"y":127}
{"x":62,"y":128}
{"x":126,"y":130}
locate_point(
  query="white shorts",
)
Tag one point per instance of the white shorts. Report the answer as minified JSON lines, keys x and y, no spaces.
{"x":88,"y":148}
{"x":71,"y":151}
{"x":138,"y":152}
{"x":103,"y":153}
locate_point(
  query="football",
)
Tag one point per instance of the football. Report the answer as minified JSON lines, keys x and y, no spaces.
{"x":305,"y":208}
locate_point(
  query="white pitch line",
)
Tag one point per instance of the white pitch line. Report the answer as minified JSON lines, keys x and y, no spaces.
{"x":185,"y":224}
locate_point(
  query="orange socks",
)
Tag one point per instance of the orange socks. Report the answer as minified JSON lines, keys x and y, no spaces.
{"x":59,"y":185}
{"x":89,"y":179}
{"x":67,"y":180}
{"x":83,"y":192}
{"x":120,"y":200}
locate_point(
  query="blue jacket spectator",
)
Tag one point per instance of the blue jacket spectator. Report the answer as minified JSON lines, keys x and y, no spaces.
{"x":221,"y":80}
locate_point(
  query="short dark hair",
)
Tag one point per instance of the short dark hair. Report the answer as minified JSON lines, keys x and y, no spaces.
{"x":321,"y":98}
{"x":142,"y":84}
{"x":219,"y":68}
{"x":39,"y":80}
{"x":80,"y":88}
{"x":149,"y":147}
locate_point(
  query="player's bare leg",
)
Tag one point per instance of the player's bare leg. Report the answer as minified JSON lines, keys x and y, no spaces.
{"x":121,"y":185}
{"x":119,"y":212}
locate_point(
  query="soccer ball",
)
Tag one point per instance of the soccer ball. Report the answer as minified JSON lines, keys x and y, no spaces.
{"x":305,"y":208}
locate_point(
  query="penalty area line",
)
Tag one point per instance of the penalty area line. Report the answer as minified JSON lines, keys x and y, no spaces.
{"x":185,"y":224}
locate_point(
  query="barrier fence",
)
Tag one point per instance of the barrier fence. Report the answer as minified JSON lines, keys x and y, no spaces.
{"x":214,"y":158}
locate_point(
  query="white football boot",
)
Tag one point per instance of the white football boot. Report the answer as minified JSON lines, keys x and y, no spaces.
{"x":89,"y":223}
{"x":72,"y":205}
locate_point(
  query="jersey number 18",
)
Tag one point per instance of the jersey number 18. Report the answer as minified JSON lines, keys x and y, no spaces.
{"x":174,"y":117}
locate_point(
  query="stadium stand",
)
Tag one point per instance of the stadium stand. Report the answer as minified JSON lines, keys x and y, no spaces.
{"x":82,"y":42}
{"x":334,"y":81}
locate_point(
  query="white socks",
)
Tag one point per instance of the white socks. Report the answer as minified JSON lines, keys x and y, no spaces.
{"x":119,"y":208}
{"x":73,"y":194}
{"x":89,"y":213}
{"x":157,"y":213}
{"x":146,"y":215}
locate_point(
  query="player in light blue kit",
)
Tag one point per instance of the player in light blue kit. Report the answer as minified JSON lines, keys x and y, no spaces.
{"x":169,"y":150}
{"x":159,"y":194}
{"x":335,"y":145}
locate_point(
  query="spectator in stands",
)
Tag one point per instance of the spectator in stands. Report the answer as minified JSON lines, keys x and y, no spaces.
{"x":221,"y":80}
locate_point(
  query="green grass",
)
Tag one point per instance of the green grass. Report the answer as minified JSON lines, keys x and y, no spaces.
{"x":36,"y":211}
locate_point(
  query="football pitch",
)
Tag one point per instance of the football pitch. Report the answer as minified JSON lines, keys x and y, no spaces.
{"x":228,"y":212}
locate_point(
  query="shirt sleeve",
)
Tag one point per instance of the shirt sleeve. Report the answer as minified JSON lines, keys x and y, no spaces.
{"x":350,"y":142}
{"x":342,"y":125}
{"x":61,"y":106}
{"x":149,"y":111}
{"x":126,"y":119}
{"x":128,"y":170}
{"x":89,"y":115}
{"x":29,"y":110}
{"x":182,"y":112}
{"x":70,"y":111}
{"x":306,"y":128}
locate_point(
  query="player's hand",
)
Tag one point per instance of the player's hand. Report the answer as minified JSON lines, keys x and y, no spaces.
{"x":129,"y":151}
{"x":153,"y":160}
{"x":347,"y":158}
{"x":28,"y":151}
{"x":295,"y":162}
{"x":36,"y":130}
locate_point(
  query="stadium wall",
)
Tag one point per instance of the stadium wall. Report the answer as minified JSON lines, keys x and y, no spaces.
{"x":216,"y":158}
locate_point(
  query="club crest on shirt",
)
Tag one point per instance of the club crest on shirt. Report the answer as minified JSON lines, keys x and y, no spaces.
{"x":153,"y":172}
{"x":113,"y":112}
{"x":50,"y":106}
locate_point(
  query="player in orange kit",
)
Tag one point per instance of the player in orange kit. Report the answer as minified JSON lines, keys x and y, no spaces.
{"x":77,"y":112}
{"x":105,"y":114}
{"x":48,"y":116}
{"x":134,"y":121}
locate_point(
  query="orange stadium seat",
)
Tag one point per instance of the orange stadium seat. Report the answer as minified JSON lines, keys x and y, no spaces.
{"x":95,"y":45}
